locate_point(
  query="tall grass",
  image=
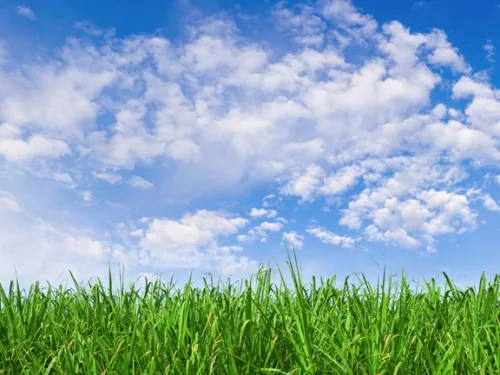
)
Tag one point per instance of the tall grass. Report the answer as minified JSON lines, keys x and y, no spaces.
{"x":256,"y":328}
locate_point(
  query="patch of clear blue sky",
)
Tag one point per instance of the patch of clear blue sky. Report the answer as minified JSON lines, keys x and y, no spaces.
{"x":468,"y":25}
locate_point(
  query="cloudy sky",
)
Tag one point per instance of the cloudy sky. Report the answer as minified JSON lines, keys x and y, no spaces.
{"x":201,"y":136}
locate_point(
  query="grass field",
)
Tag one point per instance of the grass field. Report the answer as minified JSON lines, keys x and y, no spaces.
{"x":311,"y":328}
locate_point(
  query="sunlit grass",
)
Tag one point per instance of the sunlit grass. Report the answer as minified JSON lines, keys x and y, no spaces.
{"x":256,"y":328}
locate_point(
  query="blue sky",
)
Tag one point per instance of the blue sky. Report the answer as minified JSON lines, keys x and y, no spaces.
{"x":193,"y":136}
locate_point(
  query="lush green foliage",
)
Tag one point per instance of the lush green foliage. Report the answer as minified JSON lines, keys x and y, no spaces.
{"x":264,"y":329}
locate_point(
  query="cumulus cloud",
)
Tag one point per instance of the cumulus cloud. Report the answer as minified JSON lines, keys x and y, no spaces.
{"x":341,"y":181}
{"x":262,"y":212}
{"x":13,"y":148}
{"x":194,"y":230}
{"x":181,"y":114}
{"x":302,"y":21}
{"x":444,"y":54}
{"x":396,"y":236}
{"x":191,"y":242}
{"x":261,"y":231}
{"x":483,"y":112}
{"x":304,"y":185}
{"x":271,"y":227}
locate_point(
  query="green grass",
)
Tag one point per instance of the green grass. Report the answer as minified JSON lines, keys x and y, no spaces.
{"x":257,"y":328}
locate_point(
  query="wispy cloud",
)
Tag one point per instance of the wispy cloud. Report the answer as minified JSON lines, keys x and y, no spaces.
{"x":489,"y":48}
{"x":90,"y":29}
{"x":24,"y":11}
{"x":140,"y":183}
{"x":419,"y":5}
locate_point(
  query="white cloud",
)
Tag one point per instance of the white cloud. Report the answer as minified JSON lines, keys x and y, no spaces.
{"x":86,"y":196}
{"x":483,"y":112}
{"x":60,"y":102}
{"x":303,"y":22}
{"x":444,"y":54}
{"x":33,"y":249}
{"x":184,"y":150}
{"x":419,"y":5}
{"x":137,"y":233}
{"x":341,"y":180}
{"x":294,"y":239}
{"x":260,"y":232}
{"x":461,"y":141}
{"x":64,"y":177}
{"x":192,"y":230}
{"x":331,"y":238}
{"x":489,"y":48}
{"x":16,"y":149}
{"x":467,"y":86}
{"x":91,"y":29}
{"x":267,"y":201}
{"x":26,"y":12}
{"x":353,"y":25}
{"x":8,"y":201}
{"x":140,"y":183}
{"x":396,"y":236}
{"x":178,"y":128}
{"x":304,"y":185}
{"x":490,"y":204}
{"x":190,"y":241}
{"x":402,"y":208}
{"x":111,"y":178}
{"x":271,"y":227}
{"x":262,"y":212}
{"x":453,"y":213}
